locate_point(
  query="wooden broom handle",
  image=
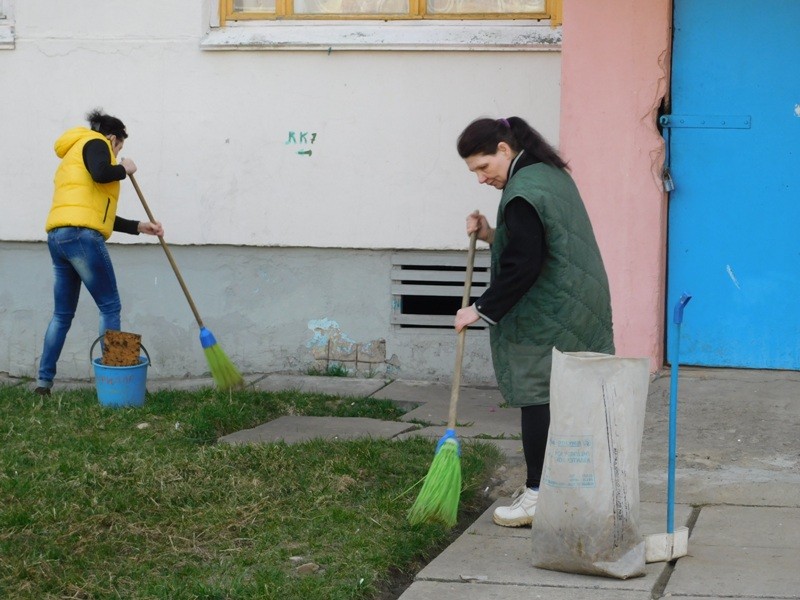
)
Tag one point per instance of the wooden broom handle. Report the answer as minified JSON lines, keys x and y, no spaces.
{"x":168,"y":252}
{"x":451,"y":420}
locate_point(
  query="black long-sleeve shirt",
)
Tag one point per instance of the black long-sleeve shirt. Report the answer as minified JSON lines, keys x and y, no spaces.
{"x":521,"y":260}
{"x":97,"y":160}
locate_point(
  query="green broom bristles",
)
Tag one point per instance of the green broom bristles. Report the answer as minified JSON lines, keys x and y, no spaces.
{"x":440,"y":494}
{"x":225,"y":374}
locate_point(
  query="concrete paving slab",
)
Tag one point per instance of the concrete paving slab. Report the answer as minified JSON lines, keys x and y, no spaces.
{"x":737,"y":438}
{"x":652,"y":519}
{"x":511,"y":449}
{"x":475,"y":418}
{"x":507,"y":560}
{"x":475,"y":421}
{"x":466,"y":590}
{"x":437,"y":431}
{"x":751,"y":526}
{"x":741,"y":550}
{"x":432,"y":433}
{"x":715,"y":597}
{"x":501,"y":425}
{"x":294,"y":429}
{"x":415,"y":392}
{"x":728,"y":485}
{"x":425,"y":392}
{"x":476,"y":407}
{"x":736,"y":572}
{"x":510,"y":566}
{"x":334,"y":386}
{"x":484,"y":525}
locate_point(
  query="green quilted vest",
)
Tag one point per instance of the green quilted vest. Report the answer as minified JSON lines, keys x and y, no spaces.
{"x":569,"y":306}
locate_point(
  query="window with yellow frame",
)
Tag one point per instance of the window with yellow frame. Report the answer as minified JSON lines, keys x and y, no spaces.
{"x":240,"y":10}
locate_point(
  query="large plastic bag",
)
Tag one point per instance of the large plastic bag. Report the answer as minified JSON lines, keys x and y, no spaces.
{"x":587,"y":514}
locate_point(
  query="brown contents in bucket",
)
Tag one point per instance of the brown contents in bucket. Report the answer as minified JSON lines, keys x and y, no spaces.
{"x":121,"y":349}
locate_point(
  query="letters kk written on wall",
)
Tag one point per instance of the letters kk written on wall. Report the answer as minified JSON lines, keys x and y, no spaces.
{"x":303,"y":139}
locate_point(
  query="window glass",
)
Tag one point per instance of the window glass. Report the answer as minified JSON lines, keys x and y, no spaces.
{"x":403,"y":9}
{"x":485,"y":6}
{"x":254,"y":6}
{"x":351,"y":7}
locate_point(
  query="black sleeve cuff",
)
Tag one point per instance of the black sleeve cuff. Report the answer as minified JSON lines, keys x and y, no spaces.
{"x":483,"y":316}
{"x":126,"y":226}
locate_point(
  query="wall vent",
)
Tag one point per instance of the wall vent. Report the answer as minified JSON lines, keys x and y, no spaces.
{"x":427,"y":287}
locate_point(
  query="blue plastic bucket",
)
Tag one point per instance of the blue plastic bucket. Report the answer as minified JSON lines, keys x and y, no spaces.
{"x":121,"y":386}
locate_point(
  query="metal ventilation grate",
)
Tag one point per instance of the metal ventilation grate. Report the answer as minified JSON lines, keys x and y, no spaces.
{"x":427,"y":287}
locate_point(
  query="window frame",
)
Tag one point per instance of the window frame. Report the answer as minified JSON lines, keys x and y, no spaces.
{"x":553,"y":12}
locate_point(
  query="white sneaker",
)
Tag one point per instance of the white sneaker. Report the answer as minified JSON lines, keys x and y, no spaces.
{"x":520,"y":512}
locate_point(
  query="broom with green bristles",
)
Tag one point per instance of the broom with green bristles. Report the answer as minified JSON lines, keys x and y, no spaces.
{"x":441,"y":491}
{"x":224,"y":372}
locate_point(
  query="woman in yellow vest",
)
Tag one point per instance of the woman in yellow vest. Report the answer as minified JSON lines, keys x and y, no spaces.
{"x":81,"y":219}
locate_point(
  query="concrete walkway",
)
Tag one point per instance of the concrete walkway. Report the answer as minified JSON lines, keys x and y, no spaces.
{"x":738,"y":485}
{"x":738,"y":489}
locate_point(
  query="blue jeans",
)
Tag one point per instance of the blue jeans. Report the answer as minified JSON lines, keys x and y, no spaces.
{"x":79,"y":256}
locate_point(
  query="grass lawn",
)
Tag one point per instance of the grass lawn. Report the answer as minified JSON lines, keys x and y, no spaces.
{"x":140,"y":503}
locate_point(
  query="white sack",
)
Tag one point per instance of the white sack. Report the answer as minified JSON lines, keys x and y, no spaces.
{"x":587,"y":515}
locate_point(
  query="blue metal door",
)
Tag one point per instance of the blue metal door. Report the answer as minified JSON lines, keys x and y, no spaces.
{"x":734,"y":155}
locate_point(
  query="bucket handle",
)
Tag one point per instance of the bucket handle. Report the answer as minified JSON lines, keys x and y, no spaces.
{"x":91,"y":351}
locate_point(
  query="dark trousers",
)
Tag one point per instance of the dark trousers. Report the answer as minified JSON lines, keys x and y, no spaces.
{"x":535,"y":423}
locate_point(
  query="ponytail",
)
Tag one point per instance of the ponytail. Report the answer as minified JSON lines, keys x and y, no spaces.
{"x":106,"y":124}
{"x":483,"y":135}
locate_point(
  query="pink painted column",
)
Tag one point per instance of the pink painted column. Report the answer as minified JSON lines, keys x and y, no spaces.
{"x":615,"y":72}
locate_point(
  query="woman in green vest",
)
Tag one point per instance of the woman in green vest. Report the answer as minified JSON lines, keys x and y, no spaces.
{"x":81,"y":219}
{"x":548,"y":284}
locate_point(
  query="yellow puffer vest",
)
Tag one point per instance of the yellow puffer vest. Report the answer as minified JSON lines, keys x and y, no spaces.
{"x":78,"y":200}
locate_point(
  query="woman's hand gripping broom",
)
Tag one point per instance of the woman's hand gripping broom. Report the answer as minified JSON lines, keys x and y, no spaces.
{"x":441,"y":491}
{"x":224,"y":372}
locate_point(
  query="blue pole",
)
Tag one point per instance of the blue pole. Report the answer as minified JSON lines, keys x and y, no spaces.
{"x":677,"y":319}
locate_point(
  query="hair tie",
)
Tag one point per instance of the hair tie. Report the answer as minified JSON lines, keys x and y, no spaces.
{"x":505,"y":122}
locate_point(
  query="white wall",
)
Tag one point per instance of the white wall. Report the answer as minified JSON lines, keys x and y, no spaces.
{"x":208,"y":129}
{"x":271,"y":309}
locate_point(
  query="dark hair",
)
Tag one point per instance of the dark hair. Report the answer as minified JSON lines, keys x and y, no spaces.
{"x":483,"y":135}
{"x":106,"y":124}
